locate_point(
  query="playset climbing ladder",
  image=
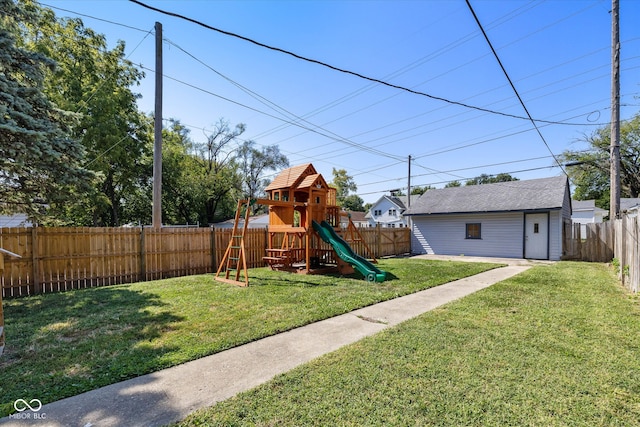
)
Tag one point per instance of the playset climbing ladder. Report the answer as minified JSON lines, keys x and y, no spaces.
{"x":234,"y":257}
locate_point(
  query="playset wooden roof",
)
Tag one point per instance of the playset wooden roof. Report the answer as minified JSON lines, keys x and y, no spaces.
{"x":313,"y":180}
{"x":292,"y":177}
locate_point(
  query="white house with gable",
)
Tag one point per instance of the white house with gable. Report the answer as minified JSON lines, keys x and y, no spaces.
{"x":388,"y":212}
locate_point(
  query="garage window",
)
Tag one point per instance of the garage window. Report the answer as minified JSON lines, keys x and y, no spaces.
{"x":473,"y":231}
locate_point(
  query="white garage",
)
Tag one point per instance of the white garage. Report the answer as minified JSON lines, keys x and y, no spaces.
{"x":515,"y":219}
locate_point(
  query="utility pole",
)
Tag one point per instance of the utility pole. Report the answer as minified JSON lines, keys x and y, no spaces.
{"x":615,"y":111}
{"x":409,"y":184}
{"x":157,"y":134}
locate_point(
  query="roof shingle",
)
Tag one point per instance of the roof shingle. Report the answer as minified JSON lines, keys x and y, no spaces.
{"x":544,"y":193}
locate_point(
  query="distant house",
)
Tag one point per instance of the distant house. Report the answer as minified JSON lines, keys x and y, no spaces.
{"x":16,"y":220}
{"x":516,"y":219}
{"x":358,"y":218}
{"x":258,"y":221}
{"x":388,"y":211}
{"x":586,"y":212}
{"x":630,"y":206}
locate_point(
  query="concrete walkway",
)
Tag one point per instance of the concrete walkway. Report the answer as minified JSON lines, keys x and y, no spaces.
{"x":170,"y":395}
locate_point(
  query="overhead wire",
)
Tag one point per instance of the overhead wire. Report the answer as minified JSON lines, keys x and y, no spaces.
{"x":480,"y":110}
{"x":316,"y":131}
{"x":454,"y":180}
{"x":293,"y":118}
{"x":332,"y":67}
{"x":93,"y":17}
{"x":287,"y":123}
{"x":463,"y":169}
{"x":533,"y":122}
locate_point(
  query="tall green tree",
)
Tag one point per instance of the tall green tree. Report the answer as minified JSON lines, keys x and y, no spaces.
{"x":40,"y":161}
{"x":353,"y":202}
{"x":217,"y":171}
{"x":417,"y":190}
{"x":96,"y":83}
{"x":344,"y":184}
{"x":589,"y":170}
{"x":490,"y":179}
{"x":183,"y":195}
{"x":254,"y":162}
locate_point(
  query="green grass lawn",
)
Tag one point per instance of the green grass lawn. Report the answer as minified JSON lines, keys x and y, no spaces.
{"x":63,"y":344}
{"x":557,"y":345}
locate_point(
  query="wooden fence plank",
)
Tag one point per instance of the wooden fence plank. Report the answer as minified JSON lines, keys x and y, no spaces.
{"x":617,"y":239}
{"x":63,"y":258}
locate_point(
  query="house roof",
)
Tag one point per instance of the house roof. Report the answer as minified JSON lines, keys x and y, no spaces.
{"x":585,"y":205}
{"x":399,"y":201}
{"x":403,"y":200}
{"x":357,"y":216}
{"x":627,"y":203}
{"x":291,"y":177}
{"x":256,"y":221}
{"x":16,"y":220}
{"x":544,"y":193}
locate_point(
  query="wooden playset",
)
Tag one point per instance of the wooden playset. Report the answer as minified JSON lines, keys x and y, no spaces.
{"x":304,"y":228}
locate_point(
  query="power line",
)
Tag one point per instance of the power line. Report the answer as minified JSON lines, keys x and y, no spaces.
{"x":293,"y":118}
{"x":243,"y":88}
{"x":332,"y":67}
{"x":446,"y":182}
{"x":335,"y":138}
{"x":512,"y":85}
{"x":93,"y":17}
{"x":462,"y":169}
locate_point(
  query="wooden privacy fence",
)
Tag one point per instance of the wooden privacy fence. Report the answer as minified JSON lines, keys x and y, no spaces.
{"x":63,"y":258}
{"x":616,"y":240}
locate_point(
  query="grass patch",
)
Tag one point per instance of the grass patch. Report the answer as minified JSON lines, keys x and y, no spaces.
{"x":557,"y":345}
{"x":63,"y":344}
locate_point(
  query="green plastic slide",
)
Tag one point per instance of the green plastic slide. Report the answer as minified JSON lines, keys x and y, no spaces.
{"x":370,"y":272}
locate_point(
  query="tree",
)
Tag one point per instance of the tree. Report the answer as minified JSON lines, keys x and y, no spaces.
{"x":344,"y":184}
{"x":182,"y":196}
{"x":417,"y":190}
{"x":589,"y":170}
{"x":254,"y":163}
{"x":490,"y":179}
{"x":453,"y":184}
{"x":95,"y":82}
{"x":40,"y":162}
{"x":353,"y":202}
{"x":217,"y":171}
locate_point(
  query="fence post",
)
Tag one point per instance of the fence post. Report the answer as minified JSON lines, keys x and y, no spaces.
{"x":212,"y":235}
{"x":635,"y":268}
{"x":579,"y":233}
{"x":623,"y":247}
{"x":35,"y":267}
{"x":143,"y":256}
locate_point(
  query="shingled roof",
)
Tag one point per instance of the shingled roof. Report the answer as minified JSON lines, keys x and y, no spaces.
{"x":544,"y":193}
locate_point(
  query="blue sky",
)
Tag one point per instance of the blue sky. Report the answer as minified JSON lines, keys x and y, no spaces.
{"x":557,"y":53}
